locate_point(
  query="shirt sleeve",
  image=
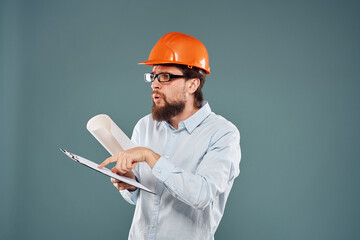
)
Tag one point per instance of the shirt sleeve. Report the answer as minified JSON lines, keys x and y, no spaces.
{"x":131,"y":196}
{"x":214,"y":175}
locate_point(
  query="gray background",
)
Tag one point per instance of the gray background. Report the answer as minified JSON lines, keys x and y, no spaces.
{"x":286,"y":73}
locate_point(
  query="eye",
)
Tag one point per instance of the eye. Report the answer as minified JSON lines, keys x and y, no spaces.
{"x":164,"y":77}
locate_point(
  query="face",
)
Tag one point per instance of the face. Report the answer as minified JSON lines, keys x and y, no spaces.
{"x":168,"y":98}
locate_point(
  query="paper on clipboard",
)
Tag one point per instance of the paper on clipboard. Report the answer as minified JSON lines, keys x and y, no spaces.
{"x":104,"y":170}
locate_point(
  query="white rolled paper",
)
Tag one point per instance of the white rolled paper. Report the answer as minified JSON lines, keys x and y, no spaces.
{"x":111,"y":137}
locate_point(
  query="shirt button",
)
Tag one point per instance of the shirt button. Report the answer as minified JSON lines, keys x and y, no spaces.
{"x":173,"y":134}
{"x":159,"y":174}
{"x":166,"y":156}
{"x":156,"y":203}
{"x":153,"y":226}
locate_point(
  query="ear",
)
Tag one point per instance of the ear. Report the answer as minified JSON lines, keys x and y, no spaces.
{"x":193,"y":84}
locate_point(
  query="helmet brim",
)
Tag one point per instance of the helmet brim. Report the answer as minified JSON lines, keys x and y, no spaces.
{"x":154,"y":62}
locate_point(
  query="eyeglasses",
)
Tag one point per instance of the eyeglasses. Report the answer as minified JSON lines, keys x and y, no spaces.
{"x":161,"y":77}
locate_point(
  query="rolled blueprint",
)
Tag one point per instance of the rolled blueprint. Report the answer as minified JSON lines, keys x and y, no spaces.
{"x":112,"y":138}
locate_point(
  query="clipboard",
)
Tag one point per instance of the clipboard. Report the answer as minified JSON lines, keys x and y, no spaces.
{"x":105,"y":170}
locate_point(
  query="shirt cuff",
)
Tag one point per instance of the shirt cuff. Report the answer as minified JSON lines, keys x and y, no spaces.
{"x":162,"y":169}
{"x":130,"y":197}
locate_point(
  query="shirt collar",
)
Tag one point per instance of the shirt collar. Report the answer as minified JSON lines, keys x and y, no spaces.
{"x":192,"y":122}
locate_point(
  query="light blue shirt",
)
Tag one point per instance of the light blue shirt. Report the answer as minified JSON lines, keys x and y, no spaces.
{"x":192,"y":179}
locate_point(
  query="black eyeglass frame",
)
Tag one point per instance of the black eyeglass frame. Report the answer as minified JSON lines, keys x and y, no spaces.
{"x":154,"y":76}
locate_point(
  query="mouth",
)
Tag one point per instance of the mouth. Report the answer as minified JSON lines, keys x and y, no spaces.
{"x":156,"y":98}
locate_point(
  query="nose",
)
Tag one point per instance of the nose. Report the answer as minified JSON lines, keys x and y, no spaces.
{"x":155,"y":84}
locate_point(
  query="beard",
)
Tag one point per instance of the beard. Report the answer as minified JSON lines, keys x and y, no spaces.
{"x":168,"y":110}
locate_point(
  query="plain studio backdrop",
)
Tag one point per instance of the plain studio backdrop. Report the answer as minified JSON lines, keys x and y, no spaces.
{"x":286,"y":73}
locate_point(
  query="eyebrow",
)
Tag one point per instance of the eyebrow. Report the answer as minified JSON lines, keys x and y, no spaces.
{"x":161,"y":73}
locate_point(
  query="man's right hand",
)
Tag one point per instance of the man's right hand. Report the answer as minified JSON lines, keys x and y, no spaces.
{"x":121,"y":185}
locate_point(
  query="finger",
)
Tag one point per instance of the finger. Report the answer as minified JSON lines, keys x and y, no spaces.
{"x":121,"y":186}
{"x":124,"y":164}
{"x":115,"y":170}
{"x":128,"y":186}
{"x":116,"y":186}
{"x":119,"y":168}
{"x":129,"y":165}
{"x":107,"y":161}
{"x":113,"y":180}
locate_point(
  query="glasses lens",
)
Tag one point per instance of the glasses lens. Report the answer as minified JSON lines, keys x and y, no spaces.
{"x":164,"y":77}
{"x":148,"y":77}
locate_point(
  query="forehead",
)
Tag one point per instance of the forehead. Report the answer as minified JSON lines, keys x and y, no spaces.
{"x":166,"y":69}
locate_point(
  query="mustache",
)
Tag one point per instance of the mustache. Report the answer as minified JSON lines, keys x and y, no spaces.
{"x":157,"y":92}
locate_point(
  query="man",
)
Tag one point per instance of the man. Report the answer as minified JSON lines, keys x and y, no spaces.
{"x":187,"y":155}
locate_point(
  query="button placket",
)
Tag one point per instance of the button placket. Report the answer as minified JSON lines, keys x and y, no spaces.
{"x":156,"y":204}
{"x":155,"y":215}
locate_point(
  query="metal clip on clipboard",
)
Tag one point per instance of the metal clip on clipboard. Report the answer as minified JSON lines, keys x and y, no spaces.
{"x":70,"y":155}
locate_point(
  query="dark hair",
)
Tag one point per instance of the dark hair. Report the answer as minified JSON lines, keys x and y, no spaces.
{"x":190,"y":73}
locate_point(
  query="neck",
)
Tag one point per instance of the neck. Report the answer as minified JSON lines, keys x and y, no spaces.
{"x":188,"y":111}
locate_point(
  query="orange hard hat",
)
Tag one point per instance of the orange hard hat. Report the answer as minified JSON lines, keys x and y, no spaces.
{"x":179,"y":48}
